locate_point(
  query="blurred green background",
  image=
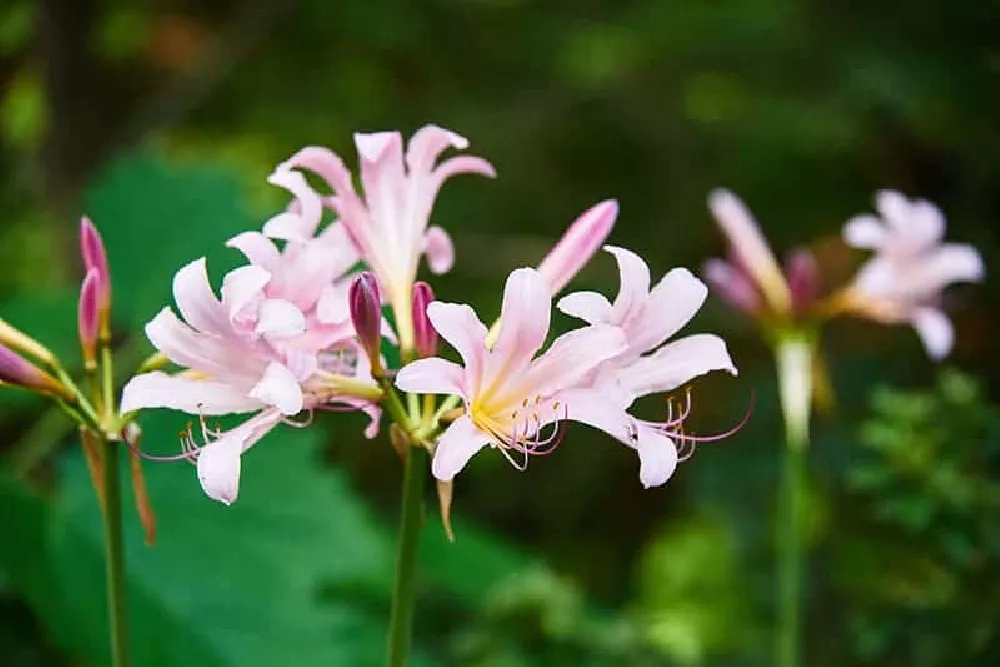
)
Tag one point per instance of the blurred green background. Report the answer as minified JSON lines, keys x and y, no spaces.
{"x":161,"y":120}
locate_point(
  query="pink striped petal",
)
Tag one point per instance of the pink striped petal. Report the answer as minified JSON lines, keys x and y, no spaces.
{"x":457,"y":445}
{"x":279,"y":387}
{"x":461,"y":327}
{"x":591,"y":307}
{"x":191,"y":395}
{"x":524,"y":322}
{"x":675,"y":364}
{"x":196,"y":300}
{"x":578,"y":244}
{"x":431,"y":376}
{"x":257,"y":248}
{"x":672,"y":303}
{"x":634,"y":288}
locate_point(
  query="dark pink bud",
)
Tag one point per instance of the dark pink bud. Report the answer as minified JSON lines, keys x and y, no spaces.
{"x":424,"y":332}
{"x":16,"y":370}
{"x":95,"y":258}
{"x":733,"y":285}
{"x":804,"y":282}
{"x":366,"y":313}
{"x":88,"y":316}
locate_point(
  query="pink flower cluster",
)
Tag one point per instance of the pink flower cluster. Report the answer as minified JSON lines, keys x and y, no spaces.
{"x":294,"y":331}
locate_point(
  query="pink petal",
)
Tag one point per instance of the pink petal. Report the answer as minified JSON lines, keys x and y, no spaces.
{"x":578,"y":244}
{"x":676,"y":363}
{"x":431,"y":376}
{"x":191,"y":395}
{"x":455,"y":447}
{"x":219,"y":461}
{"x":524,"y":321}
{"x":428,"y":143}
{"x":894,"y":209}
{"x":279,"y":387}
{"x":310,"y":208}
{"x":462,"y":164}
{"x":220,"y":358}
{"x":927,"y":223}
{"x":332,"y":306}
{"x":865,"y":232}
{"x":279,"y":317}
{"x":257,"y":248}
{"x":955,"y":262}
{"x":196,"y":300}
{"x":383,"y":176}
{"x":657,"y":456}
{"x":594,"y":408}
{"x":460,"y":326}
{"x":242,"y":286}
{"x":634,"y":287}
{"x":574,"y":355}
{"x":671,"y":305}
{"x":591,"y":307}
{"x":439,"y":250}
{"x":935,"y":330}
{"x":748,"y":244}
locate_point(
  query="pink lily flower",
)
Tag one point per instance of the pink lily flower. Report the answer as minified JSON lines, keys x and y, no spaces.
{"x":751,"y":280}
{"x":513,"y":399}
{"x":903,"y":281}
{"x":390,"y":225}
{"x":233,"y":368}
{"x":648,"y":364}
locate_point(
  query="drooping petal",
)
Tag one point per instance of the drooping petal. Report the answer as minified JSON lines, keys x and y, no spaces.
{"x":748,"y":244}
{"x":935,"y":331}
{"x":864,"y":232}
{"x":572,"y":356}
{"x":578,"y":245}
{"x":279,"y":387}
{"x":196,"y":300}
{"x":431,"y":376}
{"x":671,"y":305}
{"x":192,"y":395}
{"x":457,"y":445}
{"x":300,"y":224}
{"x":634,"y":288}
{"x":591,"y":307}
{"x":676,"y":363}
{"x":257,"y":248}
{"x":524,"y":322}
{"x":596,"y":409}
{"x":439,"y":250}
{"x":657,"y":456}
{"x":219,"y":461}
{"x":428,"y":143}
{"x":461,"y":327}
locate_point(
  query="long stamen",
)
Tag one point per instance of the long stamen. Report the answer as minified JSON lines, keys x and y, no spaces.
{"x":687,"y":443}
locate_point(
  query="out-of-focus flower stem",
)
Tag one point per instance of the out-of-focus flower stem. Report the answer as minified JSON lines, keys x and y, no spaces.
{"x":794,"y":354}
{"x":115,"y":553}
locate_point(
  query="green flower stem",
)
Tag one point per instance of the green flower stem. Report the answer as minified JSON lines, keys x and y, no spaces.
{"x":404,"y":589}
{"x":794,"y":354}
{"x":115,"y":552}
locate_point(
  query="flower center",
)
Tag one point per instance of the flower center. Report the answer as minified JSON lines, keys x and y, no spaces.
{"x":520,"y":429}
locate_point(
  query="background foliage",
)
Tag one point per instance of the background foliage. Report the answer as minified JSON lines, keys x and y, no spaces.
{"x":161,"y":119}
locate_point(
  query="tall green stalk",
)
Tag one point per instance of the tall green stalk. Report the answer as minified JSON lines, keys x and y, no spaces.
{"x":794,"y":352}
{"x":114,"y":548}
{"x":404,"y":590}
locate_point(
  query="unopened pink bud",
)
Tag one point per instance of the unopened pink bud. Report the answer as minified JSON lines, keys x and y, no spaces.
{"x":424,"y":332}
{"x":804,"y":281}
{"x":88,"y":316}
{"x":16,"y":370}
{"x":366,"y":313}
{"x":583,"y":238}
{"x":95,"y":258}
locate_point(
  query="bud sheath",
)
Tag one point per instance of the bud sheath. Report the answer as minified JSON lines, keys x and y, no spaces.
{"x":583,"y":238}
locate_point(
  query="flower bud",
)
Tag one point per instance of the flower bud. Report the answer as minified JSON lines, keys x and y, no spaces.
{"x":366,"y":314}
{"x":583,"y":238}
{"x":802,"y":272}
{"x":96,"y":259}
{"x":88,"y":317}
{"x":424,"y":332}
{"x":16,"y":370}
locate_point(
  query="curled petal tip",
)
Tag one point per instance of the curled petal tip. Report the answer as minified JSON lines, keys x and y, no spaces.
{"x":371,"y":146}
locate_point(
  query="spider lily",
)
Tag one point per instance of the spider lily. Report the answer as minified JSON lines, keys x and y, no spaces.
{"x":389,"y":225}
{"x":232,"y":365}
{"x":648,"y":364}
{"x":904,"y":279}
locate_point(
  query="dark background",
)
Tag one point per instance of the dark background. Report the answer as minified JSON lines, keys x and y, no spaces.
{"x":162,"y":119}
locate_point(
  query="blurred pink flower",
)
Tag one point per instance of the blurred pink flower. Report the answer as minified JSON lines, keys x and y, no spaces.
{"x":390,"y":225}
{"x":647,"y":364}
{"x":904,"y":279}
{"x":514,"y":401}
{"x":237,"y":364}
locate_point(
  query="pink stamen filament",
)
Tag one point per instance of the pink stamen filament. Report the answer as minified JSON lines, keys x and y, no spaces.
{"x":686,"y":442}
